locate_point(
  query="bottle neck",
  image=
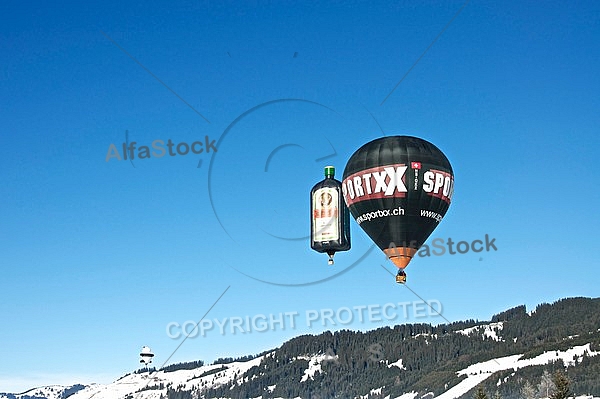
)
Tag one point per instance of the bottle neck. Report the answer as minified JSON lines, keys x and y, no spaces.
{"x":329,"y":172}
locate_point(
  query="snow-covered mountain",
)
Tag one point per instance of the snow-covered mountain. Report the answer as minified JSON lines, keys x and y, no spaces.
{"x":407,"y":362}
{"x":154,"y":385}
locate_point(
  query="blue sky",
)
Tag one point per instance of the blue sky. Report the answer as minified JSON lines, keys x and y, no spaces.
{"x":98,"y":257}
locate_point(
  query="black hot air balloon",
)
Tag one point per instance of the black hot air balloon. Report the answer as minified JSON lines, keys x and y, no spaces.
{"x":398,"y":189}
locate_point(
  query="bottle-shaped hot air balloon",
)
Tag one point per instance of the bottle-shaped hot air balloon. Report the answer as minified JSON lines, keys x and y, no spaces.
{"x":330,"y":218}
{"x":398,"y":189}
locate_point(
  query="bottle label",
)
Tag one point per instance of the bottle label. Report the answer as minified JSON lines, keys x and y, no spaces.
{"x":325,"y":214}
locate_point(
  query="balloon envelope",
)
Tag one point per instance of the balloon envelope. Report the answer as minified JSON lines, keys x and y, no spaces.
{"x":398,"y":189}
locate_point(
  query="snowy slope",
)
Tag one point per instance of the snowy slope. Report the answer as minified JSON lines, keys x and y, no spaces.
{"x":48,"y":392}
{"x":314,"y":365}
{"x":153,"y":385}
{"x":487,"y":331}
{"x":479,"y":372}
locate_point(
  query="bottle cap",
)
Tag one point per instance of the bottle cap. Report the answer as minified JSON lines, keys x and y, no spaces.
{"x":329,"y":171}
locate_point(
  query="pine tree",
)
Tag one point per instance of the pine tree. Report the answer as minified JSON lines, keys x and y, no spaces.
{"x":480,"y":393}
{"x":528,"y":391}
{"x":546,"y":386}
{"x":562,"y":386}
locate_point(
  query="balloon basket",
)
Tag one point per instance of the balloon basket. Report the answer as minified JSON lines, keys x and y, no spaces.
{"x":401,"y":277}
